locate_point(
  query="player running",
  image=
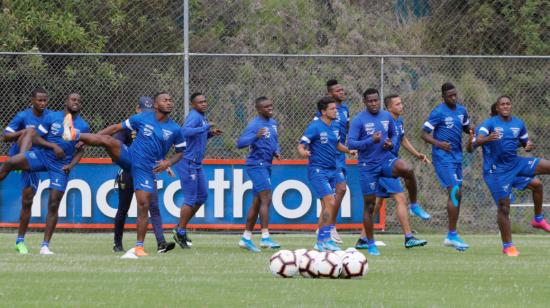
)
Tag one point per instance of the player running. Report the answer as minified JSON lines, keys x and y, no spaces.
{"x":322,"y":139}
{"x":155,"y":134}
{"x":29,"y":118}
{"x":448,"y":121}
{"x":503,"y":134}
{"x":196,"y":131}
{"x":58,"y":158}
{"x":261,"y":136}
{"x":371,"y":133}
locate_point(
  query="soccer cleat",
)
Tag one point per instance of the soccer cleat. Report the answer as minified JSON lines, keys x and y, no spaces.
{"x":510,"y":251}
{"x":69,"y":133}
{"x":165,"y":247}
{"x":319,"y":246}
{"x":21,"y":248}
{"x":331,"y":246}
{"x":361,"y":244}
{"x":181,"y":239}
{"x":455,"y":242}
{"x":335,"y":236}
{"x":414,"y":242}
{"x":248,"y":245}
{"x":419,"y":212}
{"x":118,"y":248}
{"x":373,"y":250}
{"x":189,"y":242}
{"x":543,"y":225}
{"x":269,"y":243}
{"x":140,"y":252}
{"x":45,"y":250}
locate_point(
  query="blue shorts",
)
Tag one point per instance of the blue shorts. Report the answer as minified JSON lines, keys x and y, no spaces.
{"x":341,"y":163}
{"x":260,"y":177}
{"x":30,"y":179}
{"x":40,"y":162}
{"x":324,"y":180}
{"x":501,"y":182}
{"x":519,"y":183}
{"x":369,"y":177}
{"x":143,"y":178}
{"x":448,"y":174}
{"x":193,"y":182}
{"x":388,"y":187}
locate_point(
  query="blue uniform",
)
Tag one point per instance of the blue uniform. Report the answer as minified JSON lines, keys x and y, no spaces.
{"x":193,"y":181}
{"x":22,"y":120}
{"x":322,"y":168}
{"x":447,"y":126}
{"x":153,"y":141}
{"x":390,"y":186}
{"x":262,"y":150}
{"x":507,"y":167}
{"x":374,"y":161}
{"x":51,"y":130}
{"x":342,"y":122}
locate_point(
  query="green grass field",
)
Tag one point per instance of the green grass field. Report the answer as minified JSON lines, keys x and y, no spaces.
{"x":215,"y":273}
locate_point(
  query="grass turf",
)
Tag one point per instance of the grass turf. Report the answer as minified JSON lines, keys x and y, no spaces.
{"x":215,"y":273}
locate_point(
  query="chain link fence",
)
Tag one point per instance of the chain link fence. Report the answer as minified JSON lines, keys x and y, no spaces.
{"x":111,"y":84}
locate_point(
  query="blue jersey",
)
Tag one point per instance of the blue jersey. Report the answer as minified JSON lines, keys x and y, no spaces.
{"x":486,"y":151}
{"x":322,"y":140}
{"x":398,"y":135}
{"x":264,"y":148}
{"x":363,"y":126}
{"x":52,"y":131}
{"x":447,"y":126}
{"x":195,"y":130}
{"x":153,"y":139}
{"x":511,"y":134}
{"x":23,"y":119}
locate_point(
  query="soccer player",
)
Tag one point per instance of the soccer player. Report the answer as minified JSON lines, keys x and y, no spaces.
{"x":336,"y":91}
{"x":448,"y":121}
{"x":196,"y":131}
{"x":504,"y":133}
{"x":156,"y":132}
{"x":125,"y":185}
{"x":388,"y":186}
{"x":58,"y":164}
{"x":321,"y":144}
{"x":28,"y":118}
{"x":371,"y":133}
{"x":261,"y":136}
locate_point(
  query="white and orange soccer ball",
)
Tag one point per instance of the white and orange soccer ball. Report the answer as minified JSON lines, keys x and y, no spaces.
{"x":306,"y":264}
{"x":329,"y":265}
{"x":283,"y":264}
{"x":354,"y":265}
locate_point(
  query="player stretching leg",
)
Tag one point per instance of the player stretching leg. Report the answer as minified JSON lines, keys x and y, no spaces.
{"x":447,"y":121}
{"x":155,"y":134}
{"x":261,"y":136}
{"x":196,"y":131}
{"x":322,"y":137}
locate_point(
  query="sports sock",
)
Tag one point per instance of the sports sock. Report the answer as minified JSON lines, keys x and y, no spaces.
{"x":139,"y":244}
{"x":408,"y":236}
{"x":181,"y":231}
{"x":247,"y":235}
{"x":321,"y":235}
{"x":265,"y":233}
{"x":332,"y":227}
{"x":539,"y":218}
{"x":19,"y":239}
{"x":452,"y":233}
{"x":507,"y":244}
{"x":45,"y":244}
{"x":414,"y":205}
{"x":365,"y":239}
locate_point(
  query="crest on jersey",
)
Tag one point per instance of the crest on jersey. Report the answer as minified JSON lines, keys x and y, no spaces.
{"x":323,"y":137}
{"x":56,"y":129}
{"x":267,"y":133}
{"x":515,"y":131}
{"x":385,"y":124}
{"x":337,"y":134}
{"x":369,"y":128}
{"x":373,"y":185}
{"x":449,"y":122}
{"x":274,"y":128}
{"x":499,"y":131}
{"x":148,"y":130}
{"x":166,"y":134}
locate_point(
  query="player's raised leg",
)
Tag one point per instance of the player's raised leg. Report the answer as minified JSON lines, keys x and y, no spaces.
{"x":538,"y":221}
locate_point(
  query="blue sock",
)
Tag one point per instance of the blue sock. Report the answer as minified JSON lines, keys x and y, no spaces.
{"x":332,"y":226}
{"x":414,"y":205}
{"x":139,"y":244}
{"x":452,"y":233}
{"x":19,"y":239}
{"x":45,"y":244}
{"x":181,"y":231}
{"x":508,"y":244}
{"x":408,"y":235}
{"x":539,"y":218}
{"x":371,"y":242}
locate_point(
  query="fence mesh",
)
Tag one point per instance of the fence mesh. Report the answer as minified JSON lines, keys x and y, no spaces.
{"x":111,"y":85}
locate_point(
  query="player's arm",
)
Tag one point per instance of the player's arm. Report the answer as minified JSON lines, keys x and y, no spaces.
{"x":355,"y":133}
{"x":164,"y":164}
{"x":470,"y":144}
{"x":523,"y":137}
{"x":39,"y":141}
{"x":466,"y":123}
{"x":111,"y":130}
{"x":15,"y":129}
{"x":309,"y":134}
{"x":411,"y":149}
{"x":303,"y":151}
{"x":76,"y":159}
{"x":193,"y":126}
{"x":485,"y":134}
{"x":344,"y":149}
{"x":389,"y":142}
{"x":250,"y":134}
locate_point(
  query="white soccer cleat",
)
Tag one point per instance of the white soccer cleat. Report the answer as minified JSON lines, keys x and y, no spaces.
{"x":335,"y":236}
{"x":129,"y":254}
{"x":45,"y":250}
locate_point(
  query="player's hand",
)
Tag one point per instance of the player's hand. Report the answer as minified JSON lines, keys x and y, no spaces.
{"x":216,"y":132}
{"x":471,"y":135}
{"x":67,"y":168}
{"x":353,"y":153}
{"x":59,"y":153}
{"x":530,"y":146}
{"x":388,"y":144}
{"x":493,"y":136}
{"x":376,"y":137}
{"x":444,"y":145}
{"x":161,"y":166}
{"x":261,"y":132}
{"x":423,"y":158}
{"x":170,"y":172}
{"x":79,"y":145}
{"x":304,"y":153}
{"x":277,"y":156}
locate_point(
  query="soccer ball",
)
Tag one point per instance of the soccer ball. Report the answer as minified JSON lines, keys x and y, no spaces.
{"x":328,"y":265}
{"x":306,"y":264}
{"x":283,"y":264}
{"x":354,"y":265}
{"x":298,"y":253}
{"x":351,"y":249}
{"x":340,"y":253}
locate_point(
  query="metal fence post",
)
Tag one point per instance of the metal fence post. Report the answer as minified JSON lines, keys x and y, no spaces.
{"x":186,"y":57}
{"x":382,"y":80}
